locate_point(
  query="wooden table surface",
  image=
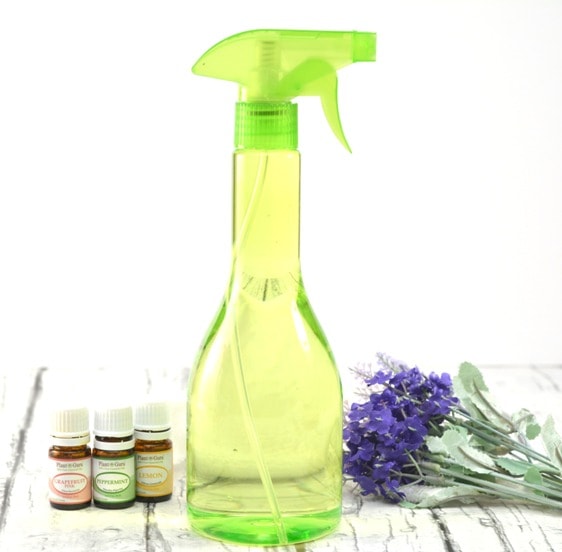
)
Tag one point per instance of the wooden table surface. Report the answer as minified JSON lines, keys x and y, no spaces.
{"x":27,"y":522}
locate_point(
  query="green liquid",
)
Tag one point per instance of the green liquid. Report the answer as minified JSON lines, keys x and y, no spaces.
{"x":261,"y":529}
{"x":264,"y":454}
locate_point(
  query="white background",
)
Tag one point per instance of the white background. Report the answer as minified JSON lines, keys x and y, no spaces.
{"x":438,"y":240}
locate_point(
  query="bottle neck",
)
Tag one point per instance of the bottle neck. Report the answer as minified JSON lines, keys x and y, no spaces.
{"x":152,"y":435}
{"x":266,"y":217}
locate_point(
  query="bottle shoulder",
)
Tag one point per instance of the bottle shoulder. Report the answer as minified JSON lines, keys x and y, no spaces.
{"x":160,"y":445}
{"x":280,"y":331}
{"x":70,"y":452}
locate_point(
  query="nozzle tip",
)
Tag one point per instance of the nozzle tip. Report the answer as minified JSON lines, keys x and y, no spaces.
{"x":364,"y":46}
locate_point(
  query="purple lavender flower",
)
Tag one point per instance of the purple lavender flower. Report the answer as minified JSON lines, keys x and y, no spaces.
{"x":384,"y":434}
{"x":412,"y":430}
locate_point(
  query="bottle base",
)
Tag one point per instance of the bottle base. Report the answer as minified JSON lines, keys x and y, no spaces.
{"x":113,"y":505}
{"x":261,"y":529}
{"x":70,"y":506}
{"x":162,"y":498}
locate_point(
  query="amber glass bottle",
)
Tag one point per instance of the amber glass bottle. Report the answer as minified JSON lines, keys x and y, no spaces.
{"x":153,"y":452}
{"x":70,"y":460}
{"x":113,"y":458}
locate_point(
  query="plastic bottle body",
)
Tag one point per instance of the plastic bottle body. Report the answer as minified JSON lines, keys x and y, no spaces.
{"x":264,"y":410}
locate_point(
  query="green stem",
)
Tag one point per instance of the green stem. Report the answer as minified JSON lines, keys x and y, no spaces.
{"x":440,"y":463}
{"x":552,"y":481}
{"x":503,"y":438}
{"x":415,"y":464}
{"x":547,"y":490}
{"x":490,"y":487}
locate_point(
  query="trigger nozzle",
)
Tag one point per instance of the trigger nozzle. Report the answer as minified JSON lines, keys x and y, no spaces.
{"x":364,"y":47}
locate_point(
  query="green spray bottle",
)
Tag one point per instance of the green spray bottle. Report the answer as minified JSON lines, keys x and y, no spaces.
{"x":264,"y":423}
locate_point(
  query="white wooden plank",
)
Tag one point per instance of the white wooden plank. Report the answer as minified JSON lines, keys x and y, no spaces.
{"x":502,"y":527}
{"x":367,"y":525}
{"x":18,"y":392}
{"x":31,"y":523}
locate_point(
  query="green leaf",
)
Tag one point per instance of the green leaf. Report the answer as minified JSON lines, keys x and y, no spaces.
{"x":464,"y":382}
{"x":407,"y":504}
{"x":514,"y":467}
{"x":471,"y":377}
{"x":526,"y":423}
{"x":436,"y":445}
{"x":553,"y":442}
{"x":473,"y":393}
{"x":427,"y":496}
{"x":534,"y":476}
{"x":455,"y":443}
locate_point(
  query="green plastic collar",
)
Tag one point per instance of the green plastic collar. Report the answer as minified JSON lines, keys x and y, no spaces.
{"x":266,"y":125}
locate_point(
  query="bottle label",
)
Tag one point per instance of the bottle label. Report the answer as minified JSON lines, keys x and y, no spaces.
{"x":70,"y":480}
{"x":114,"y":479}
{"x":155,"y":473}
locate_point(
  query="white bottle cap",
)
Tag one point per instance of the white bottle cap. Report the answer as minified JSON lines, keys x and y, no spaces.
{"x":152,"y":421}
{"x":70,"y":426}
{"x":113,"y":422}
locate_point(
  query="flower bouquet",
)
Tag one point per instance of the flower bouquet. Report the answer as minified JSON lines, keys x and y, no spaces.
{"x":422,"y":441}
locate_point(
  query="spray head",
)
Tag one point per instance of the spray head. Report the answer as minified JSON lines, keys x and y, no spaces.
{"x":272,"y":67}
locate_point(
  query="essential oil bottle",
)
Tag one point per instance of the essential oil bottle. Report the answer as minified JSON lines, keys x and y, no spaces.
{"x":70,"y":460}
{"x":153,"y":452}
{"x":114,"y":458}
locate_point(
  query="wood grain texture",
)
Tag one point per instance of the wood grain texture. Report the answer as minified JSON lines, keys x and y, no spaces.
{"x":28,"y":523}
{"x":16,"y":417}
